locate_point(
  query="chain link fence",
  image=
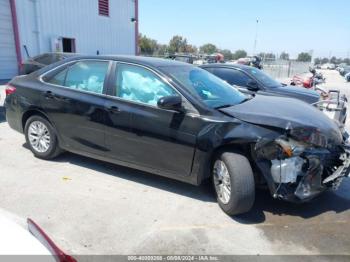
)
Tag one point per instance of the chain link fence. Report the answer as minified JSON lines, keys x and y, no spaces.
{"x":283,"y":69}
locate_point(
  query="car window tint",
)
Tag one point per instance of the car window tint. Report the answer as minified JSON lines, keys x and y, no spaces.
{"x":87,"y":76}
{"x":264,"y":78}
{"x":232,"y":76}
{"x":209,"y":69}
{"x":141,"y":85}
{"x":59,"y":78}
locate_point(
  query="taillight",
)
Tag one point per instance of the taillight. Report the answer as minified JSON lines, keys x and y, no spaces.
{"x":39,"y":234}
{"x":10,"y":90}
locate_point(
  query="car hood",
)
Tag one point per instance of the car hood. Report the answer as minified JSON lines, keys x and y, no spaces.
{"x":309,"y":96}
{"x":285,"y":113}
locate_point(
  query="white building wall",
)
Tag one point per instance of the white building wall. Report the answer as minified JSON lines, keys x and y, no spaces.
{"x":42,"y":20}
{"x":8,"y":58}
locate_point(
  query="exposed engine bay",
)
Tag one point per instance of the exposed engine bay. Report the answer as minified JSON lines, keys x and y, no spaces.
{"x":298,"y":171}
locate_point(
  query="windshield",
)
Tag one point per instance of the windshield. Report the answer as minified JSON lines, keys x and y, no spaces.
{"x":213,"y":91}
{"x":264,"y":78}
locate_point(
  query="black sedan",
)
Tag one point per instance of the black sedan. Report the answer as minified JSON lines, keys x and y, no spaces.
{"x":251,"y":80}
{"x":179,"y":121}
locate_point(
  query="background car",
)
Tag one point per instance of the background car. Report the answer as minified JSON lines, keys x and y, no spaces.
{"x":328,"y":66}
{"x":182,"y":57}
{"x":344,"y":70}
{"x":347,"y":77}
{"x":40,"y":61}
{"x":251,"y":80}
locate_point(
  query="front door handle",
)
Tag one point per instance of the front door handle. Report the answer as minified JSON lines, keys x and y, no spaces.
{"x":49,"y":95}
{"x":114,"y":109}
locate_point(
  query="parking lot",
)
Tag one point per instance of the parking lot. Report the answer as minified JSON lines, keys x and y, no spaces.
{"x":91,"y":207}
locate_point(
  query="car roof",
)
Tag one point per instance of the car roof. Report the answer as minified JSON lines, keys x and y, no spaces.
{"x":238,"y":66}
{"x":147,"y":61}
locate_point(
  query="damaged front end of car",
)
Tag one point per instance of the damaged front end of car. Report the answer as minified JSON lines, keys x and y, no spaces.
{"x":302,"y":163}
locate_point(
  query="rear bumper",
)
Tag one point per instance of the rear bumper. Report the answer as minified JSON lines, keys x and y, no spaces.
{"x":13,"y":117}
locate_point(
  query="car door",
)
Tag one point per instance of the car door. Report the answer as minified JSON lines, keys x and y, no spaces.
{"x":157,"y":139}
{"x":74,"y":100}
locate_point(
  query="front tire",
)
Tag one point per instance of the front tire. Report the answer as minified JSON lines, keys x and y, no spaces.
{"x":41,"y":138}
{"x":234,"y":183}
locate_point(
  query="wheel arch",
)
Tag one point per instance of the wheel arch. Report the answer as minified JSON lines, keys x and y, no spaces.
{"x":31,"y":112}
{"x":241,"y":148}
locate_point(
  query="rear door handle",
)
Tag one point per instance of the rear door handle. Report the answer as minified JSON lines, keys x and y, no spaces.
{"x":114,"y":109}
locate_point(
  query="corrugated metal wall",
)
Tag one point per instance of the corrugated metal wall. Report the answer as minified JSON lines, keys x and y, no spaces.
{"x":42,"y":20}
{"x":8,"y":59}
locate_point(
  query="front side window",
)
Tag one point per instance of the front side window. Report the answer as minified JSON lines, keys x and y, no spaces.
{"x":232,"y":76}
{"x":85,"y":76}
{"x":213,"y":91}
{"x":138,"y":84}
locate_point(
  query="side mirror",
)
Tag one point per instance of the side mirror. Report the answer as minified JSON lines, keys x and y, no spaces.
{"x":252,"y":85}
{"x":170,"y":103}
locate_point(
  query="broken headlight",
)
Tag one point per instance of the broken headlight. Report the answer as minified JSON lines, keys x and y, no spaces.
{"x":290,"y":147}
{"x":310,"y":136}
{"x":280,"y":148}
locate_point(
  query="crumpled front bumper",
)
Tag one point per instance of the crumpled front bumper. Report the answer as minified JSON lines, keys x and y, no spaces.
{"x":303,"y":177}
{"x":318,"y":178}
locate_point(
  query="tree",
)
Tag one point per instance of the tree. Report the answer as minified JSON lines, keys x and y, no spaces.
{"x":208,"y":49}
{"x":161,"y":50}
{"x":191,"y":49}
{"x":147,"y":45}
{"x":334,"y":60}
{"x":177,"y":44}
{"x":318,"y":61}
{"x":324,"y":60}
{"x":304,"y":57}
{"x":284,"y":56}
{"x":239,"y":54}
{"x":227,"y":54}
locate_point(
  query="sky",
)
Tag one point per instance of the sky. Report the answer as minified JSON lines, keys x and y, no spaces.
{"x":293,"y":26}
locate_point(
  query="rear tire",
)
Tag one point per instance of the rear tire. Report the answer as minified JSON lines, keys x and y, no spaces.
{"x":41,"y":138}
{"x":241,"y":183}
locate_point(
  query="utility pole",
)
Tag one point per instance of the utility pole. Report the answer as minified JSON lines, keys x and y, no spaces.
{"x":256,"y":36}
{"x":311,"y":52}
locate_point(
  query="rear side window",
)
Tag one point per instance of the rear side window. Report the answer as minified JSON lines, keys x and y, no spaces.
{"x":59,"y":79}
{"x":86,"y":76}
{"x":232,"y":76}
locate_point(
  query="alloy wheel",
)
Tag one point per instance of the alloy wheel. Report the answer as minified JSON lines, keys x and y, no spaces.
{"x":39,"y":136}
{"x":222,"y":181}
